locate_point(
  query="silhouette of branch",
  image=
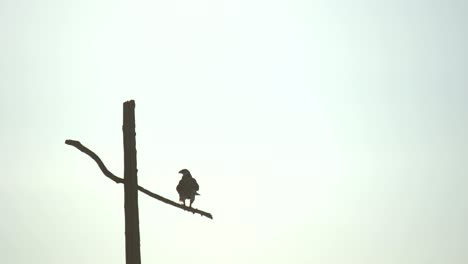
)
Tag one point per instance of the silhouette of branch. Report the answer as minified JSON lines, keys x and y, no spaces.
{"x":95,"y":157}
{"x":116,"y":179}
{"x":165,"y":200}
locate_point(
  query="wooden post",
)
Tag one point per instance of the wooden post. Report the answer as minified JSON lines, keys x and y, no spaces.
{"x":132,"y":229}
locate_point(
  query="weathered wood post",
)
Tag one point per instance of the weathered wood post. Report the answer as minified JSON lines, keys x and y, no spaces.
{"x":132,"y":229}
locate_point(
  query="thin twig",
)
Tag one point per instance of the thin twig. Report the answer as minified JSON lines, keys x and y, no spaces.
{"x":116,"y":179}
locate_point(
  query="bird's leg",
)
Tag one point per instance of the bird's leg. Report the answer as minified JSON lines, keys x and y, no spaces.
{"x":191,"y":201}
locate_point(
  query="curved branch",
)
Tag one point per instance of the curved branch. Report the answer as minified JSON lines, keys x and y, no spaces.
{"x":95,"y":157}
{"x":111,"y":176}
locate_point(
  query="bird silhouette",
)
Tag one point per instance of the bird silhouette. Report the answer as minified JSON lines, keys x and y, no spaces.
{"x":187,"y":187}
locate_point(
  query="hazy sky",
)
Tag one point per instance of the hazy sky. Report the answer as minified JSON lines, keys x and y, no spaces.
{"x":329,"y":132}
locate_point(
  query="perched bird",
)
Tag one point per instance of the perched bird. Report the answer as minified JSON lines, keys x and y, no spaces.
{"x":187,"y":187}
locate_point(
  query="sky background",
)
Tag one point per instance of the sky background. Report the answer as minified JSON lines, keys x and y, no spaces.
{"x":329,"y":132}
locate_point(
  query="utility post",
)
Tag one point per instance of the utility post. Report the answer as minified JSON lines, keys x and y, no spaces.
{"x":132,"y":222}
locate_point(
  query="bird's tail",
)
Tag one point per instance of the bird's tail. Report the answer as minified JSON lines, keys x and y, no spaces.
{"x":196,"y":193}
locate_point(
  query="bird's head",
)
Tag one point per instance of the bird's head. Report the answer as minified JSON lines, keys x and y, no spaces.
{"x":184,"y":172}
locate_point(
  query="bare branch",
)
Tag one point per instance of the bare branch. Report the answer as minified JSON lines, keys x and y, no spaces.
{"x":95,"y":157}
{"x":116,"y":179}
{"x":165,"y":200}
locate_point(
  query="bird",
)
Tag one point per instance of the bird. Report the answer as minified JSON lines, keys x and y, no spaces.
{"x":187,"y":187}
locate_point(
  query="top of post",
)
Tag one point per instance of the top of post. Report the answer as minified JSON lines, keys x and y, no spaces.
{"x":130,"y":103}
{"x":129,"y":115}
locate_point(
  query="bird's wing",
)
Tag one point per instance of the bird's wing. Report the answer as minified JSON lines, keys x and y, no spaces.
{"x":195,"y":185}
{"x":180,"y":187}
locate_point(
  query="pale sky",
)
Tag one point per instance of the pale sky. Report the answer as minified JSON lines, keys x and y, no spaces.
{"x":329,"y":132}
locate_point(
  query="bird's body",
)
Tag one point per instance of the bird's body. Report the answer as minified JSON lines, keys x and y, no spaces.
{"x":187,"y":187}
